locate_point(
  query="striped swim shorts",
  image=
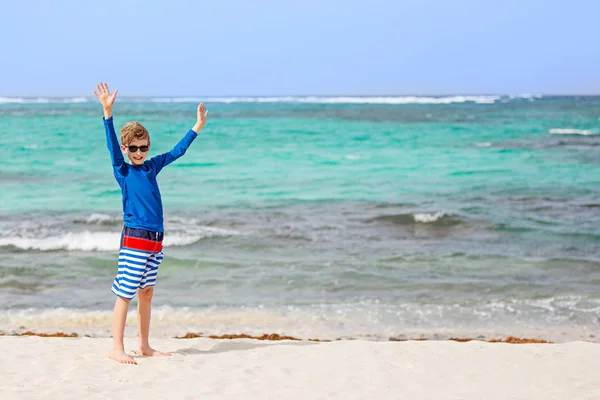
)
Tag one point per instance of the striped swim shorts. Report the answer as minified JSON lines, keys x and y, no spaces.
{"x":139,"y":258}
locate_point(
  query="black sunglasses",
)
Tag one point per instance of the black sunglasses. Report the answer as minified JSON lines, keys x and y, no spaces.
{"x":134,"y":149}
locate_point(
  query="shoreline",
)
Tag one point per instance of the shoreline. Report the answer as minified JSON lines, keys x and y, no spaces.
{"x":167,"y":323}
{"x":274,"y":337}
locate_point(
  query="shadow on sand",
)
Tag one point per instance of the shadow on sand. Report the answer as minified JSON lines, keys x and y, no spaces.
{"x":224,"y":347}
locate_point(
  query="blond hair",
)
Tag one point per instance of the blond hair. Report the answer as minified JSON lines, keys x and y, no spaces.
{"x":132,"y":131}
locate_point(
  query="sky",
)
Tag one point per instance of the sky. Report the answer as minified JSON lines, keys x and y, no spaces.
{"x":263,"y":48}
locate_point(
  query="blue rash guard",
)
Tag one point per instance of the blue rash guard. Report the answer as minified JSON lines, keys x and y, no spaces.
{"x":142,"y":204}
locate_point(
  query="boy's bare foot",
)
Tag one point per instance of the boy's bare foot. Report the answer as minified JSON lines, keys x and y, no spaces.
{"x":150,"y":352}
{"x":120,"y":357}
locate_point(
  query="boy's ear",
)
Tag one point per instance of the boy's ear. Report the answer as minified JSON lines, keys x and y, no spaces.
{"x":123,"y":147}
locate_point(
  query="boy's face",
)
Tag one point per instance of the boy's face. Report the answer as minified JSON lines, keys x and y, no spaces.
{"x":138,"y":156}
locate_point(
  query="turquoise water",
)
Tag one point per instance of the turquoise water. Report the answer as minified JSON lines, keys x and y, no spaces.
{"x":330,"y":217}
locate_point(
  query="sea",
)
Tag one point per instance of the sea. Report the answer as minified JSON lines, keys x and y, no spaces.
{"x":323,"y":217}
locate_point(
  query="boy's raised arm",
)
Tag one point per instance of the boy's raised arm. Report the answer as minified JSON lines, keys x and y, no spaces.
{"x":162,"y":160}
{"x":107,"y":100}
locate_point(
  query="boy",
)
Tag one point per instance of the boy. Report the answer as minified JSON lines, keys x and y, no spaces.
{"x":141,"y":240}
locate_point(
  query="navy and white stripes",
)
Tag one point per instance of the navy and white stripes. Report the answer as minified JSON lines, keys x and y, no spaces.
{"x":137,"y":269}
{"x":138,"y":266}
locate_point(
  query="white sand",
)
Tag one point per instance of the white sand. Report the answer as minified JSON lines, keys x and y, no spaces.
{"x":78,"y":368}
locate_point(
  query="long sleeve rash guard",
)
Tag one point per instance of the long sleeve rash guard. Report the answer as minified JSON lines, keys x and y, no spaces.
{"x":142,"y":203}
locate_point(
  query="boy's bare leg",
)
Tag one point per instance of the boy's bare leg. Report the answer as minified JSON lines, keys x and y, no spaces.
{"x":144,"y":311}
{"x":119,"y":320}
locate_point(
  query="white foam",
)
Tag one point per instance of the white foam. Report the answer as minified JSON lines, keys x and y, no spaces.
{"x":193,"y":235}
{"x":106,"y":241}
{"x":76,"y":100}
{"x":175,"y":99}
{"x":370,"y":319}
{"x":568,"y":131}
{"x":337,"y":99}
{"x":483,"y":144}
{"x":525,"y":96}
{"x":428,"y":217}
{"x":83,"y":241}
{"x":22,"y":100}
{"x":489,"y":99}
{"x":97,"y":218}
{"x":42,"y":100}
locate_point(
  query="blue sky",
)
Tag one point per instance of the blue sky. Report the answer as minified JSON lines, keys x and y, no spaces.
{"x":259,"y":47}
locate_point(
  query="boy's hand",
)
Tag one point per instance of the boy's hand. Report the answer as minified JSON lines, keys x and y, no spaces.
{"x":106,"y":99}
{"x":201,"y":115}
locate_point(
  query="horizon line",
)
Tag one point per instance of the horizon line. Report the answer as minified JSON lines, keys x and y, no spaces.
{"x":312,"y":95}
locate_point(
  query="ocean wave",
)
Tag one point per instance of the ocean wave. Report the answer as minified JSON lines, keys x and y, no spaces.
{"x":100,"y":219}
{"x":106,"y":241}
{"x":488,"y":99}
{"x":427,"y":218}
{"x":337,"y":99}
{"x":71,"y":241}
{"x":173,"y":99}
{"x":525,"y":96}
{"x":436,"y":218}
{"x":42,"y":100}
{"x":569,"y":131}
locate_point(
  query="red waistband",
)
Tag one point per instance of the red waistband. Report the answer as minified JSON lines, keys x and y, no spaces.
{"x":141,"y":244}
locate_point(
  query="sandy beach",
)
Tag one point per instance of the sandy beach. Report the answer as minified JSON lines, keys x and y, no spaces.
{"x":76,"y":368}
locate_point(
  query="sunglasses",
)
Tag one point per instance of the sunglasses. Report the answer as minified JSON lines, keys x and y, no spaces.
{"x":134,"y":149}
